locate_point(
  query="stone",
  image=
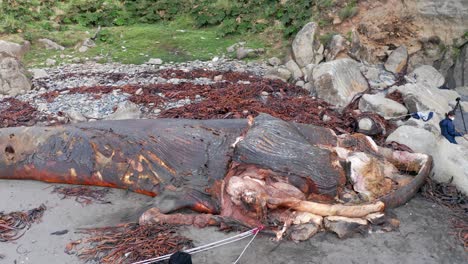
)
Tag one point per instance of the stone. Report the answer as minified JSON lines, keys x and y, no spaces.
{"x":278,"y":73}
{"x":155,"y":61}
{"x":344,"y":227}
{"x":14,"y":49}
{"x":336,"y":48}
{"x":294,"y":69}
{"x":300,"y":83}
{"x":365,"y":124}
{"x":309,"y":86}
{"x":50,"y":45}
{"x":418,"y":139}
{"x":308,"y":71}
{"x":75,"y":116}
{"x":377,"y":103}
{"x":424,"y":97}
{"x":397,"y":61}
{"x":303,"y":45}
{"x":13,"y":78}
{"x":39,"y":73}
{"x":139,"y":91}
{"x":326,"y":118}
{"x":338,"y":81}
{"x":303,"y":232}
{"x":126,"y":110}
{"x":274,"y":61}
{"x":218,"y":78}
{"x":50,"y":62}
{"x":428,"y":74}
{"x":83,"y":49}
{"x":242,"y":53}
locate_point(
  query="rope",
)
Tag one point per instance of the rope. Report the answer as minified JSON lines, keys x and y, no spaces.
{"x":245,"y":248}
{"x":210,"y":246}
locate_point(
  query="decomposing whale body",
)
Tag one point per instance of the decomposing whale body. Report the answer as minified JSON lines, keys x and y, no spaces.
{"x":252,"y":171}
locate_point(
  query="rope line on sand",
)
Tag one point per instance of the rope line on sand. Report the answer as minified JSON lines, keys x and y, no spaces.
{"x":254,"y":232}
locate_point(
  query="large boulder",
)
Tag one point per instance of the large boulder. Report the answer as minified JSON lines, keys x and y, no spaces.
{"x":379,"y":104}
{"x":338,"y":81}
{"x":294,"y":69}
{"x":423,"y":96}
{"x":396,"y":62}
{"x":278,"y":73}
{"x":50,"y":45}
{"x":303,"y":45}
{"x":14,"y":49}
{"x":13,"y":78}
{"x":449,"y":159}
{"x":337,"y":48}
{"x":418,"y":139}
{"x":428,"y":74}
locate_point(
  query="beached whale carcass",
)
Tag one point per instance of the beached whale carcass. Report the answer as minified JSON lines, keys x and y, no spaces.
{"x":246,"y":170}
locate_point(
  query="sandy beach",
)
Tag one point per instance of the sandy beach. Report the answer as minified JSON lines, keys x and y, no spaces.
{"x":424,"y":235}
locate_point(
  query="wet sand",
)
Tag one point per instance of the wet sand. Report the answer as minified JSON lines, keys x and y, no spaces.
{"x":424,"y":235}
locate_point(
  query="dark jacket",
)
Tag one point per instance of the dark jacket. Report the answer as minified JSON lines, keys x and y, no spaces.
{"x":448,"y":130}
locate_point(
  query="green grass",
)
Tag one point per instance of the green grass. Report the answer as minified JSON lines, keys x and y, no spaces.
{"x":136,"y":44}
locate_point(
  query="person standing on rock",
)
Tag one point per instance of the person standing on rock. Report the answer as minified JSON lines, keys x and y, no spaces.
{"x":448,"y":129}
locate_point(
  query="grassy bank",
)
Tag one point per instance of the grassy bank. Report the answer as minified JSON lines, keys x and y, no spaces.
{"x":175,"y":41}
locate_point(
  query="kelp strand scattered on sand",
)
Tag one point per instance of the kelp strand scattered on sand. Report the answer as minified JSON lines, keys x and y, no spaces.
{"x":447,"y":195}
{"x":83,"y":194}
{"x":128,"y":243}
{"x":13,"y":225}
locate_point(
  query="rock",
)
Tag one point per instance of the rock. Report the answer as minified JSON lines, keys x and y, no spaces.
{"x":369,"y":126}
{"x":13,"y":78}
{"x":126,"y":110}
{"x":39,"y":73}
{"x":337,"y":48}
{"x":278,"y":73}
{"x":155,"y":61}
{"x":75,"y":116}
{"x":424,"y":97}
{"x":50,"y":45}
{"x":303,"y":232}
{"x":303,"y":45}
{"x":265,"y":93}
{"x":418,"y":139}
{"x":377,"y":103}
{"x":300,"y":83}
{"x":14,"y":49}
{"x":139,"y":91}
{"x":83,"y":49}
{"x":50,"y":62}
{"x":344,"y":227}
{"x":294,"y":69}
{"x":218,"y":78}
{"x":458,"y":74}
{"x":365,"y":124}
{"x":449,"y":159}
{"x":308,"y":71}
{"x":463,"y":91}
{"x":378,"y":77}
{"x":428,"y":74}
{"x":464,"y":106}
{"x":326,"y":118}
{"x":274,"y":61}
{"x":397,"y":61}
{"x":311,"y":88}
{"x":242,"y":53}
{"x":338,"y":81}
